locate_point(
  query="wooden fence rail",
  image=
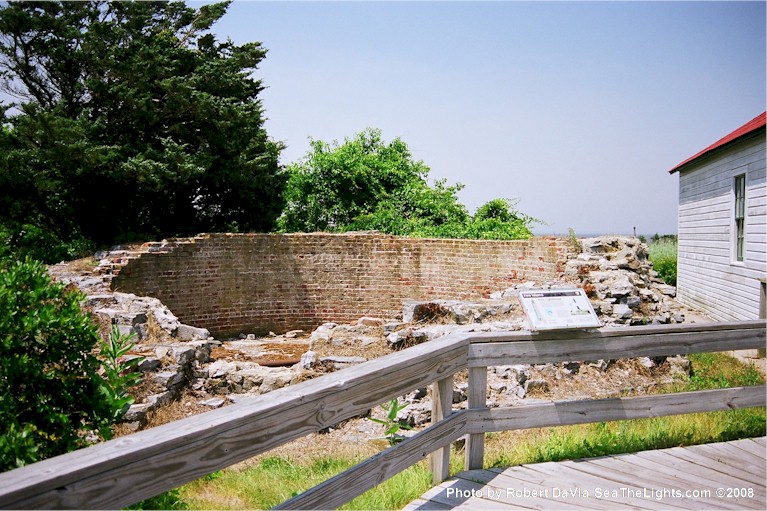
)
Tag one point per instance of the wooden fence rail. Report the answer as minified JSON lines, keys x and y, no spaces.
{"x":128,"y":469}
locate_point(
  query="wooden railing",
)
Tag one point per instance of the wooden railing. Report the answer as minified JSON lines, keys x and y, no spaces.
{"x":128,"y":469}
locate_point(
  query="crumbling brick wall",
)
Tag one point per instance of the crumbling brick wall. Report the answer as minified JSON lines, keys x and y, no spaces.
{"x":232,"y":283}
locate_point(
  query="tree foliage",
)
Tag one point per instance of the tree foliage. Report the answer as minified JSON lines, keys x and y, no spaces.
{"x":133,"y":121}
{"x":366,"y":184}
{"x":336,"y":183}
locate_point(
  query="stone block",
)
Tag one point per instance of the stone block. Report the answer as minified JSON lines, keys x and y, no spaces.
{"x":214,"y":402}
{"x":182,"y":356}
{"x":148,"y":364}
{"x":622,"y":310}
{"x":190,"y":333}
{"x":368,"y":321}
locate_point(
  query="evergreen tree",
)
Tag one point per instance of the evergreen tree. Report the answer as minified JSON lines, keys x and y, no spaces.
{"x":133,"y":122}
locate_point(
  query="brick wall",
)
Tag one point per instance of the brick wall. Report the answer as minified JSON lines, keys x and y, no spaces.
{"x":233,"y":283}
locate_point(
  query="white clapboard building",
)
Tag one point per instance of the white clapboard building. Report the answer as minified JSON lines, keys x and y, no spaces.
{"x":723,"y":226}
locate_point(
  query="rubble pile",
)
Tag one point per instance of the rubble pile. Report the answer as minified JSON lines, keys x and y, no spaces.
{"x":618,"y":277}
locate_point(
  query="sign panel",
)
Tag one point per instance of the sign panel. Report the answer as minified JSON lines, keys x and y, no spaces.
{"x":552,"y":309}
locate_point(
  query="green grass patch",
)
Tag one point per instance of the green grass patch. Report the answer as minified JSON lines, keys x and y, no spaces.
{"x":275,"y":479}
{"x":663,"y":255}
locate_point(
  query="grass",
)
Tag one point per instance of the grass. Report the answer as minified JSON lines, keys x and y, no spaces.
{"x":663,"y":255}
{"x":273,"y":479}
{"x":276,"y":479}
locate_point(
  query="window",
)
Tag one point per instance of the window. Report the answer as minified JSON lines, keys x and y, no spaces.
{"x":740,"y":216}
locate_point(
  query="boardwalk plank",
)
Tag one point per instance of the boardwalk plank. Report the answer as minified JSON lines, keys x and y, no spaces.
{"x":749,"y":461}
{"x":501,"y":482}
{"x":670,"y":475}
{"x":583,"y":475}
{"x":656,"y":482}
{"x":690,"y":468}
{"x":750,"y":446}
{"x":700,"y":458}
{"x":457,"y":501}
{"x":636,"y":480}
{"x":707,"y":474}
{"x":554,"y":474}
{"x":425,"y":505}
{"x":661,"y":475}
{"x":699,"y":461}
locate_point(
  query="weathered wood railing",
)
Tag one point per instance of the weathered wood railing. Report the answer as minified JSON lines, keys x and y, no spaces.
{"x":129,"y":469}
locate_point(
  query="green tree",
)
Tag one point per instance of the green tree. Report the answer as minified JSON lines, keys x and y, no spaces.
{"x":133,"y":122}
{"x":417,"y":210}
{"x":367,"y":184}
{"x":336,"y":183}
{"x":498,"y":219}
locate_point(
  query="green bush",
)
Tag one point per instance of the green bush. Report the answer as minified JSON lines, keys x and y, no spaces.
{"x":663,"y":255}
{"x":366,"y":184}
{"x":51,"y":397}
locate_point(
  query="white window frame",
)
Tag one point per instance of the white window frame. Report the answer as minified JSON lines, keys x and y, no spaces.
{"x":739,"y":219}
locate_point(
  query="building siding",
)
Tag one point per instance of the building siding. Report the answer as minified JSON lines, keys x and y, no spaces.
{"x":708,"y":277}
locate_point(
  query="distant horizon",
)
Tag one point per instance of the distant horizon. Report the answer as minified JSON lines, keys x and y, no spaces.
{"x":594,"y":234}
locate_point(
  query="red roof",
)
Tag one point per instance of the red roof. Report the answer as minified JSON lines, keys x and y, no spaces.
{"x":752,"y":125}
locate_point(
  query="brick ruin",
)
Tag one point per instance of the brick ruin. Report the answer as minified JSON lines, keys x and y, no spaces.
{"x":232,"y":283}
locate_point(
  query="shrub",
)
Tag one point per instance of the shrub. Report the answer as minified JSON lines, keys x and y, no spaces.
{"x":51,"y":400}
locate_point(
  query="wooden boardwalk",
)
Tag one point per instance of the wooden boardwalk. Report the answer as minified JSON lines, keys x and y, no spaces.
{"x":728,"y":475}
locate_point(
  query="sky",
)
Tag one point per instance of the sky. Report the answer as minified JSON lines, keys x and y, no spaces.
{"x":577,"y":110}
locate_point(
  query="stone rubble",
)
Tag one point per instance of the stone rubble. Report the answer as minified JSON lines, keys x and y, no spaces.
{"x":618,"y":277}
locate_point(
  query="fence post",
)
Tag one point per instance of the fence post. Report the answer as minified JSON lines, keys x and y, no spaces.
{"x":475,"y":444}
{"x":441,"y":408}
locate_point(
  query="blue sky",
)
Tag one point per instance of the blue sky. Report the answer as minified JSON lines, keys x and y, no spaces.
{"x":576,"y":109}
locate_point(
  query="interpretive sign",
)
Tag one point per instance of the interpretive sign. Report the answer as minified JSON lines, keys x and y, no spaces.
{"x":552,"y":309}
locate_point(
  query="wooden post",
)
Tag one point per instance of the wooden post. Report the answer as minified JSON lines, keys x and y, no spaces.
{"x":441,"y":408}
{"x":475,"y":444}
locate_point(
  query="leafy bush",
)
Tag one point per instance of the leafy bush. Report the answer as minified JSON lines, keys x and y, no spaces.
{"x":50,"y":391}
{"x":663,"y":255}
{"x":336,"y":183}
{"x":366,"y":184}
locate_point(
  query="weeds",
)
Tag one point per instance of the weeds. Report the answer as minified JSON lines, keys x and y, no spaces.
{"x":392,"y":424}
{"x":575,"y":244}
{"x":167,"y":500}
{"x":119,"y":373}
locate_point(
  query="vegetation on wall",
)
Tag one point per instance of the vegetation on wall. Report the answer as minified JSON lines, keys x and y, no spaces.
{"x":366,"y":183}
{"x":133,"y":122}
